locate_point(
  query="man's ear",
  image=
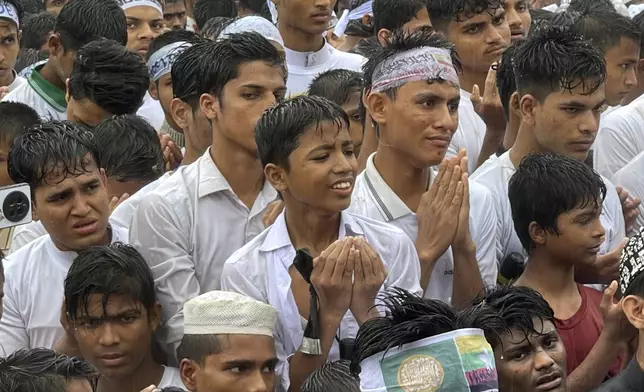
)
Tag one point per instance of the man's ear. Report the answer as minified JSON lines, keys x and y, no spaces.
{"x":209,"y":106}
{"x":55,"y":46}
{"x":152,"y":89}
{"x":277,"y":177}
{"x":103,"y":177}
{"x":188,"y":370}
{"x":633,"y":307}
{"x":527,"y":108}
{"x":640,"y":68}
{"x":515,"y":104}
{"x":179,"y":113}
{"x":154,"y":316}
{"x":375,"y":103}
{"x":537,"y":234}
{"x":383,"y":36}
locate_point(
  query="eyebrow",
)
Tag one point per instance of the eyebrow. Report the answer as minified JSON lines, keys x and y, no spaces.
{"x":67,"y":191}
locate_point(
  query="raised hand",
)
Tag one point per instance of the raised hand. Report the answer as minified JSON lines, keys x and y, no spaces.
{"x":370,"y":274}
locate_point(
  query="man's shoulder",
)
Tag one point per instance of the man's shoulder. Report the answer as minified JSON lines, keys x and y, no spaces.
{"x":350,"y":61}
{"x":22,"y":259}
{"x":490,"y":175}
{"x":23,"y":94}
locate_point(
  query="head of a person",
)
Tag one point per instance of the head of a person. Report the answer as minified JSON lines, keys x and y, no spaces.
{"x":135,"y":161}
{"x":243,"y":76}
{"x":507,"y":86}
{"x":305,"y":16}
{"x":344,"y":88}
{"x":228,"y":344}
{"x":478,"y":29}
{"x":556,"y":202}
{"x":58,"y":159}
{"x":33,"y":6}
{"x":214,"y":27}
{"x":362,"y":27}
{"x":618,"y":38}
{"x":144,"y":23}
{"x":412,"y":88}
{"x":106,"y":80}
{"x":44,"y":370}
{"x":162,"y":54}
{"x":529,"y":354}
{"x":561,"y":91}
{"x":80,"y":22}
{"x":54,"y":6}
{"x":391,"y":15}
{"x":11,"y":17}
{"x":184,"y":107}
{"x":206,"y":9}
{"x":332,"y":376}
{"x":36,"y":31}
{"x":307,"y":153}
{"x":15,"y":118}
{"x":174,"y":13}
{"x":257,"y":24}
{"x":517,"y":13}
{"x":631,"y":280}
{"x":110,"y":301}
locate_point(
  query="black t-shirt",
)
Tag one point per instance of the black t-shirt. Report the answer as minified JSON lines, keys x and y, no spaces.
{"x":630,"y":379}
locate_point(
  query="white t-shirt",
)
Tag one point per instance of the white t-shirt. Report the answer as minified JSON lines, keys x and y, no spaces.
{"x":45,"y":98}
{"x":171,"y":378}
{"x":303,"y":67}
{"x":17,"y":82}
{"x":495,"y":174}
{"x":373,"y":198}
{"x":620,"y":138}
{"x":123,"y":214}
{"x":631,"y":178}
{"x":24,"y":234}
{"x":33,"y":288}
{"x":152,"y":111}
{"x":469,"y":134}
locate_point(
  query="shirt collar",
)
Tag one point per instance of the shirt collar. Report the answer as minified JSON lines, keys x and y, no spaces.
{"x":309,"y":59}
{"x":54,"y":96}
{"x":389,"y":203}
{"x":278,"y":237}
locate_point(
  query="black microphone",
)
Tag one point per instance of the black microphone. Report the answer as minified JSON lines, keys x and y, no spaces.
{"x":511,"y":268}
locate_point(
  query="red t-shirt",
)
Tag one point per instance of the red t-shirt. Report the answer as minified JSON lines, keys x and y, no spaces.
{"x":580,"y":332}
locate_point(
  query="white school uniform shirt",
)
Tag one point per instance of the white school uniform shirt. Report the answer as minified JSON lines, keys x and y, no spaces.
{"x":152,"y":112}
{"x":631,"y":178}
{"x":260,"y":271}
{"x":373,"y":198}
{"x":34,"y":291}
{"x":620,"y":138}
{"x":124,"y":213}
{"x":495,"y":174}
{"x":171,"y":378}
{"x":186,"y":229}
{"x":45,"y":98}
{"x":24,"y":234}
{"x":303,"y":67}
{"x":17,"y":82}
{"x":469,"y":134}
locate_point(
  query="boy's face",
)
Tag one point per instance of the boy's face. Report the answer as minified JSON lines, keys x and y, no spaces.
{"x":117,"y":339}
{"x":310,"y":16}
{"x":246,"y":363}
{"x":419,"y":122}
{"x":143,"y":25}
{"x":566,"y":122}
{"x":533,"y":363}
{"x":580,"y":236}
{"x":9,"y":48}
{"x":175,"y":15}
{"x":351,"y":107}
{"x":74,"y":208}
{"x":243,"y":100}
{"x":480,"y":39}
{"x":621,"y":73}
{"x":517,"y":13}
{"x":322,"y":169}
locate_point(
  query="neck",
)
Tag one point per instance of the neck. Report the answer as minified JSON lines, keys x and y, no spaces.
{"x":48,"y":72}
{"x":406,"y":180}
{"x":552,"y":278}
{"x":470,"y":77}
{"x":148,"y":373}
{"x":242,"y":169}
{"x":8,"y":79}
{"x":300,"y":41}
{"x":311,"y":229}
{"x":106,"y":239}
{"x":639,"y":355}
{"x":192,"y":153}
{"x":524,"y":145}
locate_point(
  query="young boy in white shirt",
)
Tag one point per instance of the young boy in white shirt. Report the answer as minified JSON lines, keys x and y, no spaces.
{"x":412,"y":93}
{"x":60,"y":163}
{"x":307,"y":153}
{"x":79,"y":22}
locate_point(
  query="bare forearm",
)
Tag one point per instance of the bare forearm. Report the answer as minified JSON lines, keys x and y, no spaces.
{"x":428,"y":261}
{"x":592,"y":371}
{"x":467,"y":277}
{"x":491,"y":142}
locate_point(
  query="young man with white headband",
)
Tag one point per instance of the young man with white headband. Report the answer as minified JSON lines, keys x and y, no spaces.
{"x":144,"y":23}
{"x":301,"y":24}
{"x":79,"y":22}
{"x":254,"y":23}
{"x":11,"y":13}
{"x":228,"y":344}
{"x":308,"y":156}
{"x":412,"y":89}
{"x":355,"y":24}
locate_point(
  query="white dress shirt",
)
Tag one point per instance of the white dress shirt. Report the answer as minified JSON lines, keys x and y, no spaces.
{"x":34,"y":291}
{"x":186,"y":229}
{"x":373,"y":198}
{"x":124,"y":213}
{"x":260,"y":270}
{"x":495,"y":175}
{"x":469,"y":134}
{"x":631,"y":178}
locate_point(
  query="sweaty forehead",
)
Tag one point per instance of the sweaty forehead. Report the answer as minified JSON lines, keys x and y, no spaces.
{"x":7,"y":27}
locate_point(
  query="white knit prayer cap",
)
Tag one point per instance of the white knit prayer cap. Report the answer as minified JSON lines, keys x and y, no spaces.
{"x":226,"y":313}
{"x":253,"y":23}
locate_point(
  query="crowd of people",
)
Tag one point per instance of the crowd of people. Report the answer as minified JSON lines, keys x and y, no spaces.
{"x":323,"y":196}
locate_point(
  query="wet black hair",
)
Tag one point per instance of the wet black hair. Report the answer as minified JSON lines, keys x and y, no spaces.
{"x":336,"y":85}
{"x":214,"y":27}
{"x":83,"y":21}
{"x":556,"y":58}
{"x":332,"y":376}
{"x":43,"y":370}
{"x":109,"y":75}
{"x":107,"y":270}
{"x":168,"y":38}
{"x":540,"y":18}
{"x":444,"y":12}
{"x":33,"y":6}
{"x":546,"y":185}
{"x":358,"y":29}
{"x":506,"y":80}
{"x":393,"y":14}
{"x":137,"y":156}
{"x":15,"y":118}
{"x":206,"y":9}
{"x":185,"y":74}
{"x":279,"y":129}
{"x":198,"y":347}
{"x":604,"y":6}
{"x":258,"y":7}
{"x":36,"y":29}
{"x":51,"y":148}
